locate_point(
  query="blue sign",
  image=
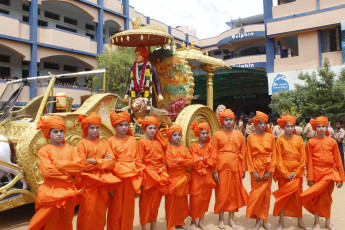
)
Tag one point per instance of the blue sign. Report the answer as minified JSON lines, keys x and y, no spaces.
{"x":343,"y":40}
{"x":280,"y":84}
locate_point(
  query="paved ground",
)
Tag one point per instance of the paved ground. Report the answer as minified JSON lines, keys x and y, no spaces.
{"x":18,"y":218}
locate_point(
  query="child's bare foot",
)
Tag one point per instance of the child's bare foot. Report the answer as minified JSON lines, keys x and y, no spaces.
{"x":143,"y":227}
{"x":221,"y":224}
{"x":193,"y":226}
{"x":302,"y":225}
{"x":153,"y":226}
{"x":182,"y":227}
{"x":280,"y":225}
{"x":266,"y":226}
{"x":330,"y":226}
{"x":316,"y":227}
{"x":257,"y":224}
{"x":233,"y":225}
{"x":202,"y":226}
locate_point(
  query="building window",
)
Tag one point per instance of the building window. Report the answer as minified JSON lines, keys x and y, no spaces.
{"x":25,"y":63}
{"x":5,"y":72}
{"x":70,"y":21}
{"x":42,"y":23}
{"x":66,"y":28}
{"x":89,"y":27}
{"x":218,"y":52}
{"x":5,"y":58}
{"x":25,"y":18}
{"x":69,"y":68}
{"x":5,"y":2}
{"x":25,"y":73}
{"x":50,"y":65}
{"x":281,"y":2}
{"x":25,"y":7}
{"x":90,"y":35}
{"x":4,"y":11}
{"x":51,"y":15}
{"x":330,"y":40}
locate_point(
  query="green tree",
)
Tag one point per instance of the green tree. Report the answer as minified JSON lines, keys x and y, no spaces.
{"x":118,"y":63}
{"x":322,"y":89}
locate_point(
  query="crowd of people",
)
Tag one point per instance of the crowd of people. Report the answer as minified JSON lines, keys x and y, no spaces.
{"x":103,"y":177}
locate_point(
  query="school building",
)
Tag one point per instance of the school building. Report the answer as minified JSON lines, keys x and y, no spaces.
{"x":267,"y":51}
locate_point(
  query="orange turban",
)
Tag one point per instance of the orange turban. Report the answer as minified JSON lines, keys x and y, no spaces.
{"x":320,"y":121}
{"x":226,"y":113}
{"x":196,"y":127}
{"x":287,"y":119}
{"x":169,"y":131}
{"x":85,"y":122}
{"x":143,"y":51}
{"x":46,"y":124}
{"x":153,"y":121}
{"x":117,"y":118}
{"x":260,"y":116}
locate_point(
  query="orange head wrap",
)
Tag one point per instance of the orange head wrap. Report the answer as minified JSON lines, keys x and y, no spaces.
{"x":226,"y":113}
{"x":143,"y":51}
{"x":117,"y":118}
{"x":46,"y":124}
{"x":169,"y":131}
{"x":287,"y":119}
{"x":320,"y":121}
{"x":260,"y":116}
{"x":153,"y":121}
{"x":196,"y":127}
{"x":85,"y":122}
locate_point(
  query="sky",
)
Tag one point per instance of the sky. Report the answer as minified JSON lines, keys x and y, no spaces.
{"x":208,"y":17}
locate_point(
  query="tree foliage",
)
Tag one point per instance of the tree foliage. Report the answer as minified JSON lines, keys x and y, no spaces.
{"x":118,"y":62}
{"x":321,"y":90}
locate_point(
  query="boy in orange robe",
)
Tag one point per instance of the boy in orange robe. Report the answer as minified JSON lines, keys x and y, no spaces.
{"x":229,"y":148}
{"x":60,"y":166}
{"x":155,"y":177}
{"x":129,"y":169}
{"x":291,"y":159}
{"x":201,"y":184}
{"x":261,"y":160}
{"x":324,"y":167}
{"x":179,"y":161}
{"x":99,"y":163}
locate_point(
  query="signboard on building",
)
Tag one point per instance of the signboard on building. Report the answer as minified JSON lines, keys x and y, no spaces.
{"x":251,"y":65}
{"x":286,"y":80}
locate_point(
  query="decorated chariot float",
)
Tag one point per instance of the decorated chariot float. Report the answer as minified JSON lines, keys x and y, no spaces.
{"x":161,"y":84}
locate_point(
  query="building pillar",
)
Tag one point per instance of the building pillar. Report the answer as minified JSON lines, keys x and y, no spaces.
{"x":33,"y":21}
{"x":343,"y":40}
{"x":125,"y":4}
{"x":209,"y":69}
{"x":270,"y":51}
{"x":148,"y":21}
{"x":187,"y":39}
{"x":319,"y":46}
{"x":100,"y":26}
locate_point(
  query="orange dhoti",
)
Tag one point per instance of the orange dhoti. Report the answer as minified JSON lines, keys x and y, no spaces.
{"x":230,"y":193}
{"x":121,"y":206}
{"x":52,"y":218}
{"x":176,"y":210}
{"x":259,"y":198}
{"x":199,"y":204}
{"x":288,"y":197}
{"x":149,"y":203}
{"x":318,"y":198}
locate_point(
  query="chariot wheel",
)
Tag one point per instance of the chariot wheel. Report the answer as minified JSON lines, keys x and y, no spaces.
{"x":199,"y":113}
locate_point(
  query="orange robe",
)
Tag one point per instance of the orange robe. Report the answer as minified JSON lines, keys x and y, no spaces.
{"x":176,"y":202}
{"x":261,"y":157}
{"x":55,"y":201}
{"x":202,"y":183}
{"x":95,"y":180}
{"x":129,"y":169}
{"x":324,"y":166}
{"x":291,"y":157}
{"x":229,"y":149}
{"x":155,"y":179}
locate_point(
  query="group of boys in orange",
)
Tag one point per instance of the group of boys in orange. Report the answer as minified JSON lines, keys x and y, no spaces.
{"x":121,"y":167}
